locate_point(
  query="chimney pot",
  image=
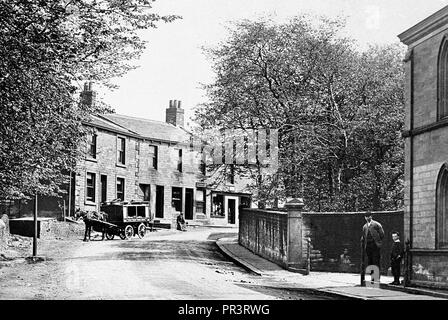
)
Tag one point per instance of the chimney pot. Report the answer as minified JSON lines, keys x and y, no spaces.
{"x":174,"y":114}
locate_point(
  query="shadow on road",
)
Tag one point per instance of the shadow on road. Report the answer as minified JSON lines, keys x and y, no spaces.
{"x":187,"y":250}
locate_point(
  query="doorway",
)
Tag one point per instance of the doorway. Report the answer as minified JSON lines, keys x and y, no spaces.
{"x":189,"y":204}
{"x":232,"y":210}
{"x":159,"y":201}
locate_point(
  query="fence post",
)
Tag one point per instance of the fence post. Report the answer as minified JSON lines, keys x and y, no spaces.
{"x":296,"y":260}
{"x":407,"y":263}
{"x":308,"y":255}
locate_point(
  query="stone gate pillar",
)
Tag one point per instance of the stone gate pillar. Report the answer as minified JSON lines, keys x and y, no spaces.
{"x":296,"y":255}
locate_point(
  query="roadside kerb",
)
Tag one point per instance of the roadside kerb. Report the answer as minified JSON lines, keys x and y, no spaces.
{"x":241,"y":262}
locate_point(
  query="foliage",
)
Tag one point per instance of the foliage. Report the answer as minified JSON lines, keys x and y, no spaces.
{"x":48,"y":48}
{"x":339,"y":111}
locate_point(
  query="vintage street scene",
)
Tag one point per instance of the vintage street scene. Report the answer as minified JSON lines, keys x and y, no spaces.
{"x":213,"y":150}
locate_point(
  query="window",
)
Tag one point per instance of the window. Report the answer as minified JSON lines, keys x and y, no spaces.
{"x":121,"y":151}
{"x":103,"y":188}
{"x":442,"y":107}
{"x":245,"y":202}
{"x":176,"y":198}
{"x":90,"y":192}
{"x":218,"y":205}
{"x":132,"y":211}
{"x":92,"y":146}
{"x":200,"y":201}
{"x":146,"y":190}
{"x":179,"y":161}
{"x":136,"y":211}
{"x":442,"y":208}
{"x":120,"y":189}
{"x":153,"y":153}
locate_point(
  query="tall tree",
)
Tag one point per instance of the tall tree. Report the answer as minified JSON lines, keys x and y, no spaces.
{"x":339,"y":111}
{"x":48,"y":49}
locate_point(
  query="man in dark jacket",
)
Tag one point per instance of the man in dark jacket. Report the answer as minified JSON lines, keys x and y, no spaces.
{"x":181,"y":225}
{"x":372,"y":240}
{"x":396,"y":255}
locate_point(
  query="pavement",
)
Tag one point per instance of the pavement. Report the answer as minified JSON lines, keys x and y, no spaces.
{"x":332,"y":283}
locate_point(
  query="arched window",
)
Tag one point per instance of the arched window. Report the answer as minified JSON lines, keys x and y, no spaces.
{"x":442,"y":208}
{"x":442,"y":108}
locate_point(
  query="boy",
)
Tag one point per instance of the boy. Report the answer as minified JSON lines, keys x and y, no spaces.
{"x":396,"y":254}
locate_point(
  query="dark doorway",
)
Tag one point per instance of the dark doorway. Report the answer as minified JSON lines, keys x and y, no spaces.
{"x":159,"y":201}
{"x":189,"y":204}
{"x":103,"y":188}
{"x":146,"y":189}
{"x":231,"y":210}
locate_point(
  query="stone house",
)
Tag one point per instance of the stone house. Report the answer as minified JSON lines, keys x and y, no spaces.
{"x":140,"y":159}
{"x":426,"y":149}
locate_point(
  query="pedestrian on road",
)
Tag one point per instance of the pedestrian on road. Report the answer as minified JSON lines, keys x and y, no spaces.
{"x":396,"y":255}
{"x":181,"y":226}
{"x":372,"y":240}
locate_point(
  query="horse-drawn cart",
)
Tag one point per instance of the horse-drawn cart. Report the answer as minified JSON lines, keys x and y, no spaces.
{"x":126,"y":219}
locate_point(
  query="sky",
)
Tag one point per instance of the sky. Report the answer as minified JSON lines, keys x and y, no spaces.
{"x":173,"y":66}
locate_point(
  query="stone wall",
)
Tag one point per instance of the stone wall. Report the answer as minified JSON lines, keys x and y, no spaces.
{"x":331,"y":233}
{"x":264,"y":232}
{"x":429,"y":268}
{"x":47,"y":228}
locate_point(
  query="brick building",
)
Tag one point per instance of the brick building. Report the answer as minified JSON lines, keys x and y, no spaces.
{"x":426,"y":146}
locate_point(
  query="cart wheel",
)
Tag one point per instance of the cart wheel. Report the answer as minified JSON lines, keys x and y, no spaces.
{"x":129,"y":231}
{"x":141,"y":230}
{"x":122,"y":235}
{"x":109,"y":235}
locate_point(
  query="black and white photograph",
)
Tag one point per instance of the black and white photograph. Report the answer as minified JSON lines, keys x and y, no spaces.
{"x":223,"y":155}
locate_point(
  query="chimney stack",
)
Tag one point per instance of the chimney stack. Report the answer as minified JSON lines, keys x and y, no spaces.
{"x":88,"y":96}
{"x":175,"y":114}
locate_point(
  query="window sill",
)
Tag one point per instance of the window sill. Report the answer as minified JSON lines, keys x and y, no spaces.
{"x":91,"y":159}
{"x":90,"y":203}
{"x":217,"y":217}
{"x":120,"y":165}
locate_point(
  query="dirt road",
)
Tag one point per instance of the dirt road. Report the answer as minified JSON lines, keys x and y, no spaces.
{"x":163,"y":265}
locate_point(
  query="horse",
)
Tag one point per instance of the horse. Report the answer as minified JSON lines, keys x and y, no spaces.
{"x":90,"y":218}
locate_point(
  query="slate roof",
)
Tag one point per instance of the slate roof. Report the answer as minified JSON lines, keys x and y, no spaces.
{"x":148,"y":129}
{"x":99,"y":122}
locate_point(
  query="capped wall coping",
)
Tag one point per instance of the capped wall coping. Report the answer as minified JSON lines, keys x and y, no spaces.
{"x":374,"y":213}
{"x":270,"y":211}
{"x":264,"y":211}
